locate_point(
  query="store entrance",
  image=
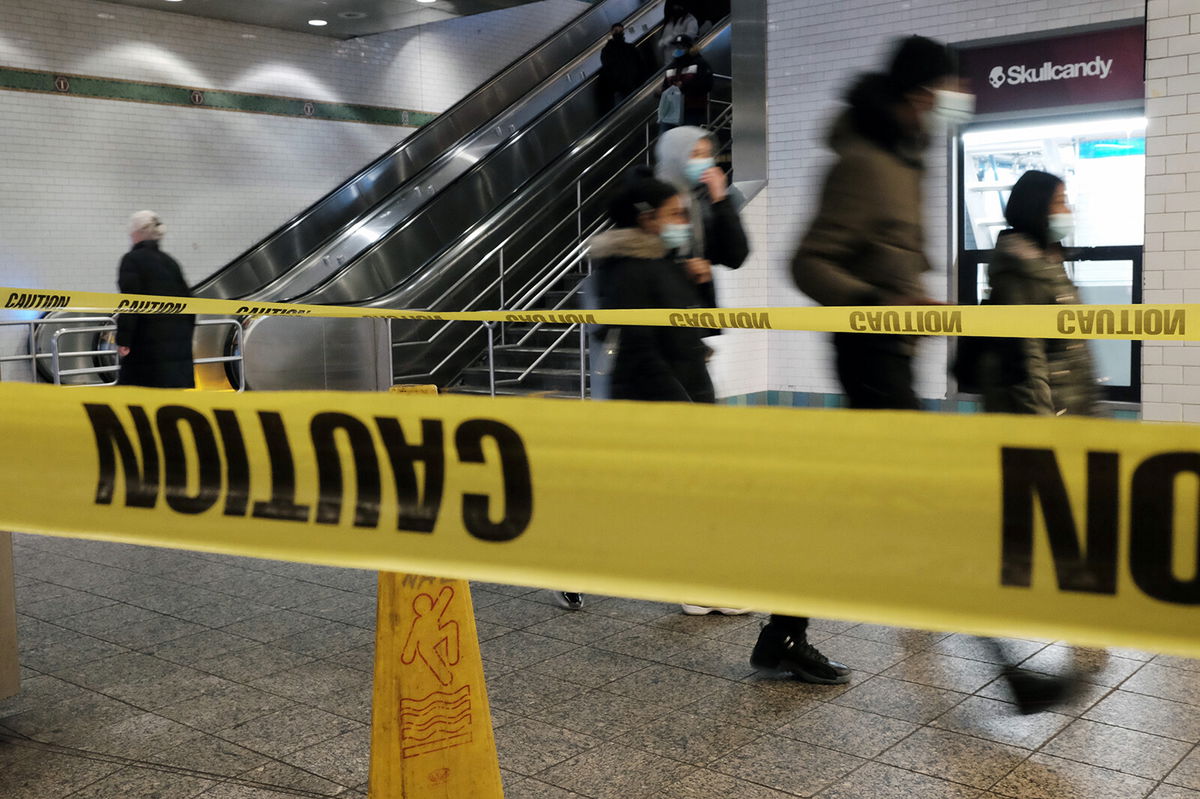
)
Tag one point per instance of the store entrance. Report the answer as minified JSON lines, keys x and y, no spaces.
{"x":1102,"y":159}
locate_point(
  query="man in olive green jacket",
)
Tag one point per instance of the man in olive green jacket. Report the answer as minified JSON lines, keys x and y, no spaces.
{"x":866,"y":247}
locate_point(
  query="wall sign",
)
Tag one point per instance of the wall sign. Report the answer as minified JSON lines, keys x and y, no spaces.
{"x":1080,"y":69}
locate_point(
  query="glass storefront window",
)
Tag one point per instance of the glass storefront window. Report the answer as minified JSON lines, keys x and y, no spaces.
{"x":1102,"y":160}
{"x":1103,"y":163}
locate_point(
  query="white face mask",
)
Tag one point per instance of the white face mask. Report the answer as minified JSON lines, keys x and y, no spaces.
{"x":953,"y":108}
{"x":676,"y":237}
{"x":1062,"y":226}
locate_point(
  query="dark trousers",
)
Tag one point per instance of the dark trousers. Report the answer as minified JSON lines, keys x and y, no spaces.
{"x":876,"y":373}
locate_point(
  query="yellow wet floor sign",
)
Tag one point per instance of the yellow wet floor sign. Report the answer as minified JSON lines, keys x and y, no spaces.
{"x":431,"y":729}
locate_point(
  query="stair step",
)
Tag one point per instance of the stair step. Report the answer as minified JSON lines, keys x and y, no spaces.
{"x":541,"y":378}
{"x":509,"y":391}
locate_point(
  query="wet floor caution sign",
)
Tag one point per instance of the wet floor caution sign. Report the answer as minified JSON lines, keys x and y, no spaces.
{"x":431,"y":728}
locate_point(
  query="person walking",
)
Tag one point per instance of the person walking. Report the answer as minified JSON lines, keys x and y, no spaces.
{"x":676,"y":22}
{"x":636,"y":266}
{"x":1045,"y":377}
{"x":622,"y":69}
{"x":692,"y":76}
{"x":155,"y":350}
{"x":866,"y":247}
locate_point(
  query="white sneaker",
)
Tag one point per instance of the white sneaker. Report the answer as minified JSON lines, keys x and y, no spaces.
{"x":701,"y":610}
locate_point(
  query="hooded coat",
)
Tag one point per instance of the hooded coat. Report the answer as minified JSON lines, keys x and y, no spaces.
{"x":632,"y":269}
{"x":160,"y":347}
{"x":1057,"y":375}
{"x":717,"y":232}
{"x":866,"y":244}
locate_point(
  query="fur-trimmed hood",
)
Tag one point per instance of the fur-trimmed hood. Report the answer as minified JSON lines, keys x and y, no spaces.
{"x":628,"y":243}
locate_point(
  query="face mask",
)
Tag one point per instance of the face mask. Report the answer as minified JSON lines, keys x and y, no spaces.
{"x":676,"y":237}
{"x":696,"y":168}
{"x":680,"y":53}
{"x":953,"y":108}
{"x":1061,"y":226}
{"x":618,"y":37}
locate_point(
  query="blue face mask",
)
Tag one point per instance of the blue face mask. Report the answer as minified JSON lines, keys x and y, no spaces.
{"x":680,"y":53}
{"x":696,"y":168}
{"x":676,"y":236}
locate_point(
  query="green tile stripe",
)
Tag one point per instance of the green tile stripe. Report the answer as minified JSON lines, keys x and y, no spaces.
{"x":24,"y":80}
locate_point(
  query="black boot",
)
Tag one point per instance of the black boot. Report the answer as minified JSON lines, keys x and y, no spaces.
{"x":1035,"y":693}
{"x":569,"y":600}
{"x":779,"y":650}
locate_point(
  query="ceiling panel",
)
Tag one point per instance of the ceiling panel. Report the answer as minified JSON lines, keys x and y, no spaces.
{"x":345,"y":18}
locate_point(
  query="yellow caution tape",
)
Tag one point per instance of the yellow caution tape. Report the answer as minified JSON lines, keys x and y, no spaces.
{"x":1142,"y":322}
{"x":1078,"y":529}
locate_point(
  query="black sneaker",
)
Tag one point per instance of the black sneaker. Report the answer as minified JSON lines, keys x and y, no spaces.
{"x":569,"y":600}
{"x":1036,"y":693}
{"x":780,"y":651}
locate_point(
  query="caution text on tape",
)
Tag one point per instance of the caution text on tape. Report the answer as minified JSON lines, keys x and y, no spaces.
{"x":1068,"y":528}
{"x":1141,"y":322}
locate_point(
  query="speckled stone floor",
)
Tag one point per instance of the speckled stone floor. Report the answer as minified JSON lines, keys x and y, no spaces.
{"x":155,"y":673}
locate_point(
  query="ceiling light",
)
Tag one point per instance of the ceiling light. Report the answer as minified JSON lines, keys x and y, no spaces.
{"x":317,"y":23}
{"x":174,"y":1}
{"x":426,"y":1}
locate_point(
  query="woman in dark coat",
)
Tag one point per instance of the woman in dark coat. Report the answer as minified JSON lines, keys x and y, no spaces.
{"x":156,"y":351}
{"x":1049,"y":377}
{"x":636,"y":267}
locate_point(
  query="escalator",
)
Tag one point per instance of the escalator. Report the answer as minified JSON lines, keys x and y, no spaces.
{"x":536,"y":200}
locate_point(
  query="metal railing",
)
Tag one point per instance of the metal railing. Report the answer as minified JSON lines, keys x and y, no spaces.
{"x":98,"y":324}
{"x":528,"y":296}
{"x":606,"y":151}
{"x":92,"y":325}
{"x":720,"y":118}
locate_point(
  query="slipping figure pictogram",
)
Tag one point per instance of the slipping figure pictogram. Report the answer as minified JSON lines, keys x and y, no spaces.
{"x":434,"y":641}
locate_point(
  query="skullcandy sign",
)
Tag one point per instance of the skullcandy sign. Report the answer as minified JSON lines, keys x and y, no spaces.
{"x":1079,"y":69}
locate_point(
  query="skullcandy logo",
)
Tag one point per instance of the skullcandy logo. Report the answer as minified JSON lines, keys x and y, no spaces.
{"x":1098,"y":67}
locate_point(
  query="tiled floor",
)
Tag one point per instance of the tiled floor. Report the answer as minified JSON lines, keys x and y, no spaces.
{"x":163,"y":674}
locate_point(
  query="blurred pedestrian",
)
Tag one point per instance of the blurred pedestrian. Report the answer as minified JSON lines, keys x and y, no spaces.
{"x":685,"y":160}
{"x":1046,"y":377}
{"x":622,"y":69}
{"x":636,"y":266}
{"x":866,"y":247}
{"x":692,"y":75}
{"x":677,"y":22}
{"x":155,"y":350}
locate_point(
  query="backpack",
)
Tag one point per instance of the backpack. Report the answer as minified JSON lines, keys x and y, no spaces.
{"x":670,"y":107}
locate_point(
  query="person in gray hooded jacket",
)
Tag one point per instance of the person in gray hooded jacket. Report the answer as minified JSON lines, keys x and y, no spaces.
{"x":685,"y":159}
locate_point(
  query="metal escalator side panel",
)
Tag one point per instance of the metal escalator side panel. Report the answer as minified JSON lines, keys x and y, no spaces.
{"x":297,"y":238}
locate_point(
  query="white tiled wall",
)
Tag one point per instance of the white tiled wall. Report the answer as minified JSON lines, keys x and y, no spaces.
{"x":72,"y":170}
{"x":1171,"y":372}
{"x":815,"y":48}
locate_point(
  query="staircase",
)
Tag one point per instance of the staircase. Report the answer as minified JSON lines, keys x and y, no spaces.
{"x":536,"y":360}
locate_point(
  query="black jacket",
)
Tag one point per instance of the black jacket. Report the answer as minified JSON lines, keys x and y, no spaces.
{"x":634,"y":270}
{"x":622,"y":67}
{"x":694,"y":77}
{"x":160,"y":347}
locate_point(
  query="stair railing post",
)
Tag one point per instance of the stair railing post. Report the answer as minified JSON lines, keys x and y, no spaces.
{"x":491,"y":330}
